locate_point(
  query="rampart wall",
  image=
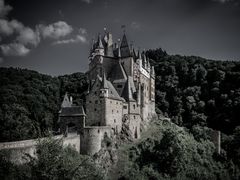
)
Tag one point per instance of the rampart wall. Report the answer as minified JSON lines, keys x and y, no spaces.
{"x":17,"y":150}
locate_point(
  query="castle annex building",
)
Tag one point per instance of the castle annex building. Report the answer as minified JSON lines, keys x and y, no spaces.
{"x":121,"y":95}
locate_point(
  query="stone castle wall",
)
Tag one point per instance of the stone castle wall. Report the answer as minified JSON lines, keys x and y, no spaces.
{"x":94,"y":106}
{"x":91,"y":139}
{"x":17,"y":150}
{"x":114,"y":114}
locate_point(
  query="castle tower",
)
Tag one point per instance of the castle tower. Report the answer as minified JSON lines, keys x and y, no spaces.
{"x":104,"y":87}
{"x":99,"y":50}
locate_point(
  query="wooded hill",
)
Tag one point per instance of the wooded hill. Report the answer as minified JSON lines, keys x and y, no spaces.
{"x":194,"y":92}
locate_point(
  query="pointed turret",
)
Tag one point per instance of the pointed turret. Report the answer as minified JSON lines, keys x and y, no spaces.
{"x":104,"y":82}
{"x":99,"y":42}
{"x":125,"y":50}
{"x":119,"y":49}
{"x":124,"y":42}
{"x":104,"y":87}
{"x":109,"y":50}
{"x":66,"y":101}
{"x":99,"y":49}
{"x":127,"y":91}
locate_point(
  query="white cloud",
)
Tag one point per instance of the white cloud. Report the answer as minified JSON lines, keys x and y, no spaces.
{"x":20,"y":40}
{"x":4,"y":9}
{"x":77,"y":39}
{"x":27,"y":36}
{"x":14,"y":49}
{"x":87,"y":1}
{"x":9,"y":27}
{"x":55,"y":30}
{"x":81,"y":37}
{"x":82,"y":31}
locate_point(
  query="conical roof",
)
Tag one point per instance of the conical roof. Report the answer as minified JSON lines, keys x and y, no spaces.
{"x":99,"y":42}
{"x":124,"y":42}
{"x":127,"y":93}
{"x":104,"y":82}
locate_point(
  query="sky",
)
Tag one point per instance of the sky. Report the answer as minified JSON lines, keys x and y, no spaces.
{"x":54,"y":36}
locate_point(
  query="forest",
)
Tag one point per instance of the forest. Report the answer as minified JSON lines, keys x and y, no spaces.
{"x":196,"y":93}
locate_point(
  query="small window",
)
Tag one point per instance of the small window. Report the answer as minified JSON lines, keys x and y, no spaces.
{"x":124,"y":107}
{"x":112,"y":111}
{"x":119,"y":86}
{"x":96,"y":102}
{"x":95,"y":109}
{"x":134,"y":117}
{"x":116,"y":102}
{"x":95,"y":92}
{"x":117,"y":111}
{"x":111,"y":102}
{"x":134,"y":106}
{"x":90,"y":101}
{"x":114,"y":120}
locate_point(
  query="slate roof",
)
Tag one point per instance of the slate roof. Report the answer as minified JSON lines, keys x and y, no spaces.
{"x":104,"y":82}
{"x":72,"y":111}
{"x":129,"y":90}
{"x":118,"y":72}
{"x":112,"y":92}
{"x":125,"y":50}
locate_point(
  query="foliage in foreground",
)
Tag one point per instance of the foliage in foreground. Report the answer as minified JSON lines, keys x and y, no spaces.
{"x":53,"y":161}
{"x":171,"y":152}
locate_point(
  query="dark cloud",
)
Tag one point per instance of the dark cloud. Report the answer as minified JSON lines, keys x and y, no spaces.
{"x":4,"y":9}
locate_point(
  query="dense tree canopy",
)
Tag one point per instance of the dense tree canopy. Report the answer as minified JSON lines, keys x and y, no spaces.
{"x":195,"y":91}
{"x":171,"y":152}
{"x":30,"y":101}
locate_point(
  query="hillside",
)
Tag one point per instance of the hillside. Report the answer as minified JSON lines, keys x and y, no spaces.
{"x":30,"y":101}
{"x":195,"y":93}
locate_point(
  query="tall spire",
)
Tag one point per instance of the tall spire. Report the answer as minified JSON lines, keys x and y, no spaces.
{"x":119,"y":48}
{"x":99,"y":42}
{"x":127,"y":91}
{"x":125,"y":50}
{"x":104,"y":82}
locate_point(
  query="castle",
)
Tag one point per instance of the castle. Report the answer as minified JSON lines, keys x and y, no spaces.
{"x":121,"y":93}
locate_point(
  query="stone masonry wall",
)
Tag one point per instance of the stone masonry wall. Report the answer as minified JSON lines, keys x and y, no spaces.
{"x":91,"y":139}
{"x":18,"y":149}
{"x":114,"y":114}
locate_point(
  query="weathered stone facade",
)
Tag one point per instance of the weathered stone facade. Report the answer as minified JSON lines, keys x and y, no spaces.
{"x":121,"y":92}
